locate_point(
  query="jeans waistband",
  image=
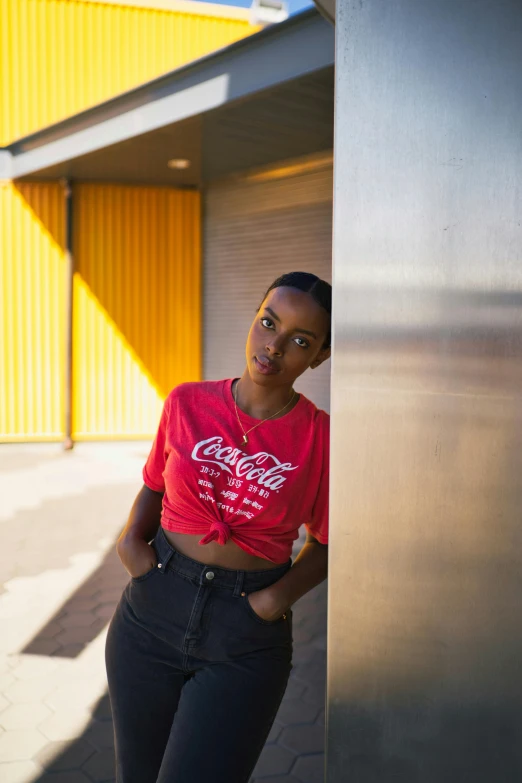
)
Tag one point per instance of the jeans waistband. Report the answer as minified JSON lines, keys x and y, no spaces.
{"x":223,"y":578}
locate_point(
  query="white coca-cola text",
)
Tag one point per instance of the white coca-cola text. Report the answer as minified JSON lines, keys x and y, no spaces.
{"x":243,"y":465}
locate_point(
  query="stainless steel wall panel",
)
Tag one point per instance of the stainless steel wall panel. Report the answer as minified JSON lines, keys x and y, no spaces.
{"x":425,"y":638}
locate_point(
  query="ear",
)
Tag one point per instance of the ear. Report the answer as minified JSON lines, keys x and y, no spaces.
{"x":321,"y":357}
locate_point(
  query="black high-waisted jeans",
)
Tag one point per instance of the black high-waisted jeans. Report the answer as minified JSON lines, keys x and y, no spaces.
{"x":195,"y":676}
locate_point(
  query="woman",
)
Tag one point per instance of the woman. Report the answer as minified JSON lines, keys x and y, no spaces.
{"x":199,"y":649}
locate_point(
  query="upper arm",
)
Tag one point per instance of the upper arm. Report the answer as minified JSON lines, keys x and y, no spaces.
{"x":317,"y":525}
{"x":310,"y":539}
{"x":156,"y":461}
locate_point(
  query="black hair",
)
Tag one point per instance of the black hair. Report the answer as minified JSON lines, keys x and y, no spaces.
{"x":318,"y":289}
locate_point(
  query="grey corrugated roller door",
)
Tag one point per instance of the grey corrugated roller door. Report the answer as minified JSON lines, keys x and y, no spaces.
{"x":253,"y":232}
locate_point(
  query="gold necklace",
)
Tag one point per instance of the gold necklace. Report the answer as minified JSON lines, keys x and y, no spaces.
{"x":245,"y":434}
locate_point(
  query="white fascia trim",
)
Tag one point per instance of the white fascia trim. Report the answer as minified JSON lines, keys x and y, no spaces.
{"x":179,"y":106}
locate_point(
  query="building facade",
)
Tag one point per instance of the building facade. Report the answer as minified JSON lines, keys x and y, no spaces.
{"x":113,"y":256}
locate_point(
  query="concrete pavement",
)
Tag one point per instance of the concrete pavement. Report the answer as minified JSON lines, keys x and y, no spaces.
{"x":60,"y":579}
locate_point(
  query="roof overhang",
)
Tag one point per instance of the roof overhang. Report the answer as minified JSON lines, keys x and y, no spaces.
{"x":283,"y":54}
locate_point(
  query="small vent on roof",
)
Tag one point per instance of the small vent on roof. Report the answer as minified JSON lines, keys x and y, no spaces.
{"x":267,"y":12}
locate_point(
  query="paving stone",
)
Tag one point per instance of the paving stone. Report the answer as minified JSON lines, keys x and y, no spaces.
{"x":108,"y":596}
{"x":301,"y":635}
{"x":72,"y":694}
{"x":311,"y":673}
{"x":105,"y":611}
{"x":275,"y":731}
{"x":22,"y":691}
{"x":295,"y":689}
{"x":314,"y":694}
{"x":42,"y":646}
{"x":113,"y":578}
{"x":77,"y":620}
{"x":87,"y":593}
{"x":19,"y":772}
{"x":52,"y":751}
{"x":319,"y":642}
{"x":306,"y":653}
{"x":69,"y":651}
{"x":4,"y":704}
{"x":309,"y":769}
{"x":101,"y":766}
{"x":24,"y":716}
{"x":60,"y":756}
{"x":33,"y":667}
{"x":20,"y":745}
{"x":79,"y":605}
{"x":102,"y":711}
{"x":64,"y":725}
{"x":277,"y":779}
{"x":80,"y":635}
{"x":6,"y":679}
{"x":64,"y":777}
{"x":294,"y":711}
{"x":274,"y":760}
{"x":101,"y":734}
{"x":98,"y":625}
{"x":303,"y":739}
{"x":50,"y":630}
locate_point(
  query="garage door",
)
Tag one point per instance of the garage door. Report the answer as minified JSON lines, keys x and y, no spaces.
{"x":253,"y":232}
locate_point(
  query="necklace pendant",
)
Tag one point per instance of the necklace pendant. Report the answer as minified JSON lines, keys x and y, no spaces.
{"x":245,"y":440}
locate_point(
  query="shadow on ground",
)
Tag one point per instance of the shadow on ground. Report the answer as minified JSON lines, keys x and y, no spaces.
{"x":84,"y":614}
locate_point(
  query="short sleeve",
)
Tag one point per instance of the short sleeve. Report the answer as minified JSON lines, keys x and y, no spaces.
{"x":156,"y":461}
{"x":318,"y":525}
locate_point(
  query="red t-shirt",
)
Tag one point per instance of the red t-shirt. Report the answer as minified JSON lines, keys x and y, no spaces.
{"x":258,"y":494}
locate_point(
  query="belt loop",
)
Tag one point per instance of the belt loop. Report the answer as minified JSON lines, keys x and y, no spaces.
{"x":239,"y":584}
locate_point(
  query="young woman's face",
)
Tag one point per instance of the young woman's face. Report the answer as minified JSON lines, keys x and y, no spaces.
{"x":286,"y":337}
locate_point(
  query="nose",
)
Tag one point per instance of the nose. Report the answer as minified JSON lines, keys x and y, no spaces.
{"x":275,"y":347}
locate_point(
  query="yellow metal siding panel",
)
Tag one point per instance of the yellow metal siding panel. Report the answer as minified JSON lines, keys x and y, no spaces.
{"x":32,"y":312}
{"x":58,"y":57}
{"x":137,"y":307}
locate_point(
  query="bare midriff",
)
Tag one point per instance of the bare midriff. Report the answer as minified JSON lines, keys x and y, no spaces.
{"x":230,"y":555}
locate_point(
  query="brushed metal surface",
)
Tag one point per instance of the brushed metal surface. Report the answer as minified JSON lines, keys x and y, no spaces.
{"x":425,"y":588}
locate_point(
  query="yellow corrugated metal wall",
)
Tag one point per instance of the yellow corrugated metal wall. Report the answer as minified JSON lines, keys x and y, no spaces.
{"x":137,"y":305}
{"x":58,"y":57}
{"x":32,"y":311}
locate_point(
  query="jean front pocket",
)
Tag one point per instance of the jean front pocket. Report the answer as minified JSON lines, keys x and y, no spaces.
{"x":248,"y":607}
{"x":143,"y":577}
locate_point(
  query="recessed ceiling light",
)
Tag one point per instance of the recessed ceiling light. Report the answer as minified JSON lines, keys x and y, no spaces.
{"x":178,"y":163}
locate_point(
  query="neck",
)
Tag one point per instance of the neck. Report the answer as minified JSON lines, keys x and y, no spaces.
{"x":259,"y":401}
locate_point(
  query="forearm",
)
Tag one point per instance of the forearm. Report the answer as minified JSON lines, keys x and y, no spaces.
{"x":309,"y":569}
{"x":145,"y":516}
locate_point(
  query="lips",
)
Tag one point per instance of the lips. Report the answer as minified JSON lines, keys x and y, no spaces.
{"x":265,"y":366}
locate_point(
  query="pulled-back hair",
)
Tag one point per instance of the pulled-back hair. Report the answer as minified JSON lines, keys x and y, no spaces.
{"x":318,"y":289}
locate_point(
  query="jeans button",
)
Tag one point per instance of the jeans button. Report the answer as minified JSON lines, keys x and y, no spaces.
{"x":209,"y":575}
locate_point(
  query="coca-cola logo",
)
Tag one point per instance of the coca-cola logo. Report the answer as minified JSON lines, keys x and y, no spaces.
{"x":245,"y":466}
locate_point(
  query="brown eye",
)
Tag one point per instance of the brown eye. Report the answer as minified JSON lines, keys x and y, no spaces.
{"x":267,"y":323}
{"x":301,"y":343}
